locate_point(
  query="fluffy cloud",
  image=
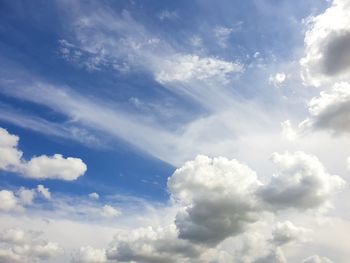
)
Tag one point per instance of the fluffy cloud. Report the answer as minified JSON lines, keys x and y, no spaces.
{"x":275,"y":256}
{"x":327,"y":45}
{"x":43,"y":191}
{"x":278,"y":79}
{"x":183,"y":68}
{"x":89,"y":255}
{"x":94,"y":196}
{"x":331,"y":110}
{"x":108,"y":211}
{"x":150,"y":245}
{"x":40,"y":167}
{"x":217,"y":196}
{"x":8,"y":201}
{"x":55,"y":167}
{"x":286,"y":232}
{"x":301,"y":182}
{"x":10,"y":156}
{"x":20,"y":246}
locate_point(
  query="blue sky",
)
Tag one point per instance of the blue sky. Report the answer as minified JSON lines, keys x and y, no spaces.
{"x":145,"y":116}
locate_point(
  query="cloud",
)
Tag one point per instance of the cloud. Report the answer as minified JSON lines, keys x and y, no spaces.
{"x":301,"y":182}
{"x":8,"y":201}
{"x":278,"y":79}
{"x":89,"y":255}
{"x":185,"y":68}
{"x":275,"y":256}
{"x":317,"y":259}
{"x":217,"y":196}
{"x":94,"y":196}
{"x":55,"y":167}
{"x":20,"y":246}
{"x":109,"y":211}
{"x":287,"y":131}
{"x":330,"y":110}
{"x":327,"y":45}
{"x":287,"y":232}
{"x":150,"y":245}
{"x":40,"y":167}
{"x":168,"y":15}
{"x":26,"y":196}
{"x":43,"y":191}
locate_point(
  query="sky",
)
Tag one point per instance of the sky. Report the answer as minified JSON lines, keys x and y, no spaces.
{"x":175,"y":131}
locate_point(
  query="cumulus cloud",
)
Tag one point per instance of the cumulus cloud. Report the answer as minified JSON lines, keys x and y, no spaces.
{"x":301,"y":182}
{"x":94,"y":196}
{"x":108,"y":211}
{"x":150,"y":245}
{"x":8,"y":201}
{"x":55,"y":167}
{"x":43,"y":191}
{"x":217,"y":196}
{"x":184,"y":68}
{"x":39,"y":167}
{"x":331,"y":110}
{"x":275,"y":256}
{"x":277,"y":79}
{"x":287,"y":232}
{"x":26,"y":196}
{"x":327,"y":45}
{"x":89,"y":255}
{"x":20,"y":246}
{"x":288,"y":132}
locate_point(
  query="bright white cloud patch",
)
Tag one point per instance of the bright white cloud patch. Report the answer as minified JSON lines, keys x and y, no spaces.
{"x":327,"y":45}
{"x":43,"y":191}
{"x":89,"y":255}
{"x":94,"y":196}
{"x":278,"y":79}
{"x":301,"y":182}
{"x":109,"y":211}
{"x":331,"y":110}
{"x":317,"y":259}
{"x":8,"y":201}
{"x":40,"y":167}
{"x":286,"y":232}
{"x":184,"y":68}
{"x":217,"y":196}
{"x":20,"y":246}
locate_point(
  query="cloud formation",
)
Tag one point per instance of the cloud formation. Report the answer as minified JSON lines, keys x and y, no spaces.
{"x":327,"y":45}
{"x":38,"y":167}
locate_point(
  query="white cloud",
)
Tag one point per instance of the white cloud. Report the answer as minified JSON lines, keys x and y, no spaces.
{"x":277,"y":79}
{"x":288,"y":132}
{"x":8,"y":201}
{"x":89,"y":255}
{"x":40,"y":167}
{"x":301,"y":182}
{"x":94,"y":196}
{"x":275,"y":256}
{"x":10,"y":156}
{"x":317,"y":259}
{"x":20,"y":246}
{"x":217,"y":196}
{"x":327,"y":44}
{"x":185,"y":68}
{"x":55,"y":167}
{"x":45,"y":192}
{"x":110,"y":212}
{"x":331,"y":110}
{"x":26,"y":196}
{"x":287,"y":232}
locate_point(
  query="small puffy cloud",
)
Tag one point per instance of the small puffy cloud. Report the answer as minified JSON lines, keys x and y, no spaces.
{"x":43,"y":191}
{"x":275,"y":256}
{"x":8,"y":201}
{"x":317,"y":259}
{"x":217,"y":196}
{"x":89,"y":255}
{"x":277,"y":79}
{"x":108,"y":211}
{"x":94,"y":196}
{"x":331,"y":110}
{"x":301,"y":182}
{"x":150,"y":245}
{"x":39,"y":167}
{"x":185,"y":68}
{"x":10,"y":156}
{"x":287,"y":232}
{"x":327,"y":45}
{"x":55,"y":167}
{"x":20,"y":246}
